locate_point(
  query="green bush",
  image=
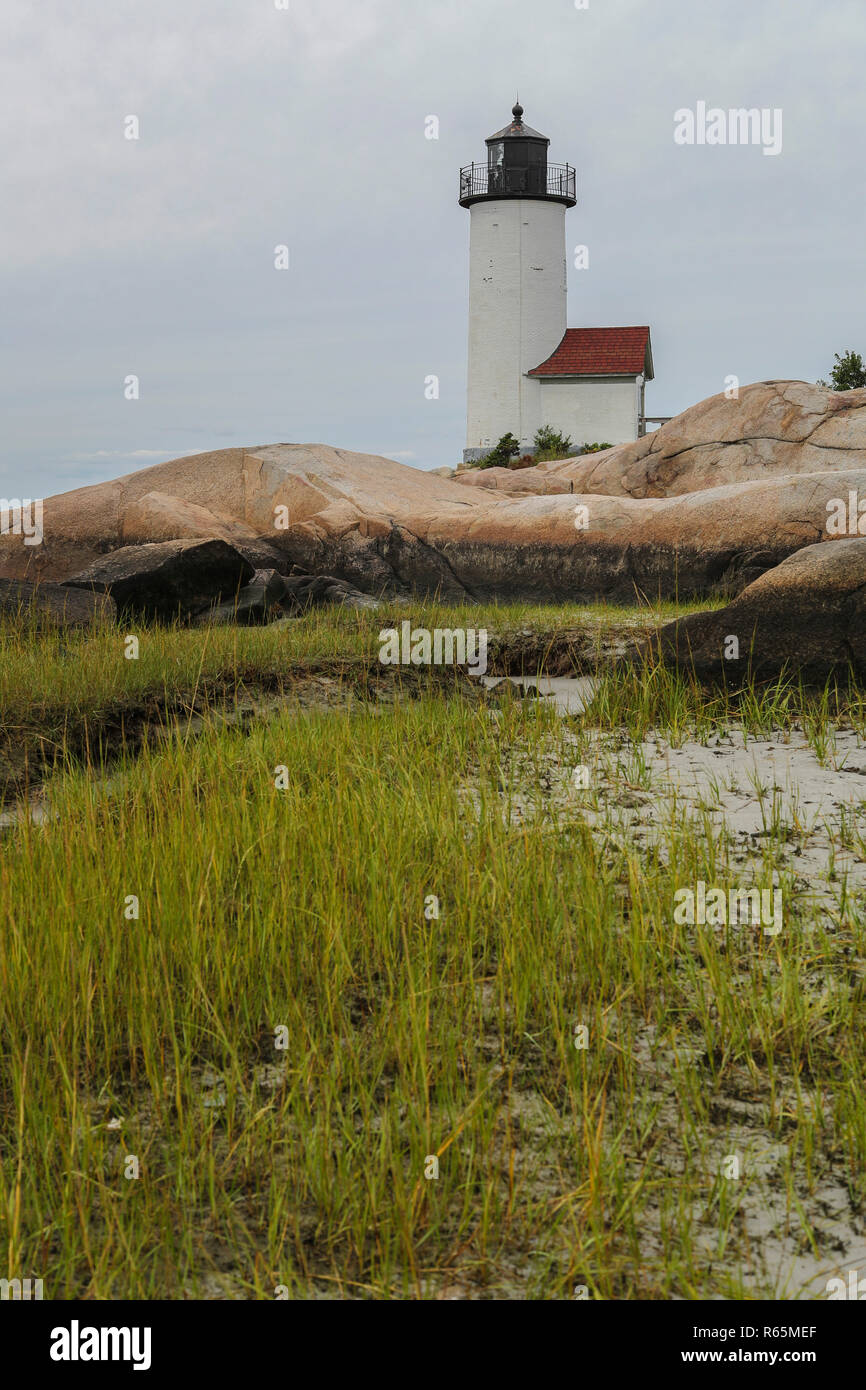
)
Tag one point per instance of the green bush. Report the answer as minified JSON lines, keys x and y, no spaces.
{"x":501,"y":454}
{"x":550,"y":444}
{"x":595,"y":448}
{"x":848,"y":373}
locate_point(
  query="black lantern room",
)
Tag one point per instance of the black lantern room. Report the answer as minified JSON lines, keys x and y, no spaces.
{"x":517,"y":167}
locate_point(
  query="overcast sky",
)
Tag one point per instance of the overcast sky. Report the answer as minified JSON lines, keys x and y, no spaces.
{"x":306,"y":127}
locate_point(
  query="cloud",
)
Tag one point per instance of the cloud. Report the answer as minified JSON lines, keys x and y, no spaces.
{"x":305,"y":127}
{"x":214,"y":86}
{"x":120,"y":454}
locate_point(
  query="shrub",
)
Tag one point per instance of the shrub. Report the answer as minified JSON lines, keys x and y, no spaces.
{"x":550,"y":444}
{"x":848,"y":373}
{"x":501,"y":454}
{"x":595,"y":448}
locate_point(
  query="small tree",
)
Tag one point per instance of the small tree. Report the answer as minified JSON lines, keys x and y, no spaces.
{"x":848,"y":373}
{"x":550,"y":444}
{"x":501,"y":454}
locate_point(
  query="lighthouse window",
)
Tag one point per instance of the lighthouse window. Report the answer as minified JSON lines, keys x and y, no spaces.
{"x":495,"y":154}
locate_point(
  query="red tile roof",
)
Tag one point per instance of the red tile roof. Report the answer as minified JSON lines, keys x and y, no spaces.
{"x":600,"y":352}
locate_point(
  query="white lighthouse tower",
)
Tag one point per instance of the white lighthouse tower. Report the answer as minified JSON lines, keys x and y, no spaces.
{"x":517,"y":281}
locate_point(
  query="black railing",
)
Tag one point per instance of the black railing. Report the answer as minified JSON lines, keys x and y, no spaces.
{"x":535,"y":181}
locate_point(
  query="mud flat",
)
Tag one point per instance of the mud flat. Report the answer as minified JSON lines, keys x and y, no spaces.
{"x":778,"y":809}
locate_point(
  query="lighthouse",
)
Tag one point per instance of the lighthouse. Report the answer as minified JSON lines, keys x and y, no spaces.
{"x":517,"y":285}
{"x":526,"y":369}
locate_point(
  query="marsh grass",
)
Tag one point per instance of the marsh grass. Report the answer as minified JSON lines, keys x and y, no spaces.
{"x":74,"y":694}
{"x":304,"y":917}
{"x":48,"y":675}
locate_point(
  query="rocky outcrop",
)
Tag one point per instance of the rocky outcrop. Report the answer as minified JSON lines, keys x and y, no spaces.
{"x":53,"y":605}
{"x":281,"y":505}
{"x":715,"y":541}
{"x":806,"y":617}
{"x":705,"y":504}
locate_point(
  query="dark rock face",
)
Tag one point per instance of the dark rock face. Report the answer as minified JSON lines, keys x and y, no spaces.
{"x":54,"y":605}
{"x":603,"y":569}
{"x":169,"y":580}
{"x":395,"y":563}
{"x":807,"y":616}
{"x":270,"y":595}
{"x":257,"y":602}
{"x":307,"y":591}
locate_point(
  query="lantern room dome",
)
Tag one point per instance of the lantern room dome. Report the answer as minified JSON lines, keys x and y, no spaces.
{"x":517,"y":129}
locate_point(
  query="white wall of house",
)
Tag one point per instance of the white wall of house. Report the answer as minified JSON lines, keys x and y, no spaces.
{"x":517,"y":313}
{"x":593,"y":410}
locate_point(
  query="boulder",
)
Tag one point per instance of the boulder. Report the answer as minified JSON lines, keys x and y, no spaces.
{"x":54,"y":605}
{"x":256,"y":602}
{"x":807,"y":616}
{"x":157,"y":516}
{"x":270,"y":596}
{"x":262,"y":554}
{"x":168,"y":580}
{"x":313,"y":591}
